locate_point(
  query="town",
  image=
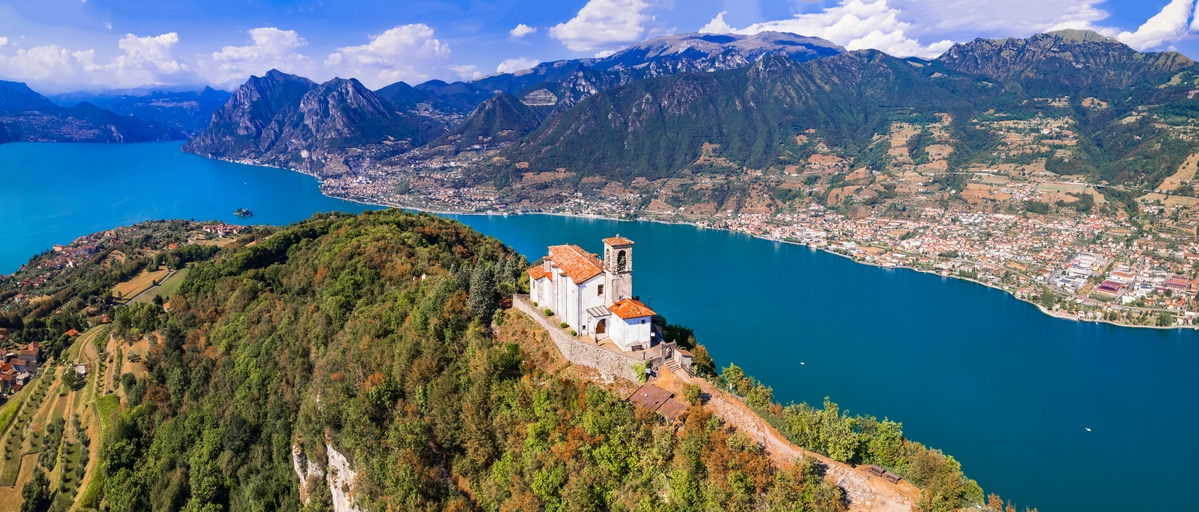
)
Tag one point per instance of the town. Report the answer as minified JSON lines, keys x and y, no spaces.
{"x":1076,"y":249}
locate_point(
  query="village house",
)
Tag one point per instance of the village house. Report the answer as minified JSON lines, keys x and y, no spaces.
{"x":594,"y":297}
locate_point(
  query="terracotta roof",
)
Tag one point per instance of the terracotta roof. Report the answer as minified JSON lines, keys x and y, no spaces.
{"x":650,"y":396}
{"x":630,"y":308}
{"x":577,"y":264}
{"x":672,"y":409}
{"x":538,"y":271}
{"x":618,"y":240}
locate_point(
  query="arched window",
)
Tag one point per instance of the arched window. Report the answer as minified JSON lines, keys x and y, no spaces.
{"x":621,"y":261}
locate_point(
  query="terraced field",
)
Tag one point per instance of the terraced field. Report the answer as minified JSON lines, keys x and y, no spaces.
{"x":69,"y":463}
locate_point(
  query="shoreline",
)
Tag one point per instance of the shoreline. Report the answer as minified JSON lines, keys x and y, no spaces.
{"x":385,"y":204}
{"x":1051,"y":313}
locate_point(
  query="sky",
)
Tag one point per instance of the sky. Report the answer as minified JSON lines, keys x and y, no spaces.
{"x":67,"y":45}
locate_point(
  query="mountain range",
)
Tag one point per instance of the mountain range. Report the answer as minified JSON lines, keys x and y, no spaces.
{"x":486,"y":113}
{"x":26,"y":116}
{"x":753,"y":101}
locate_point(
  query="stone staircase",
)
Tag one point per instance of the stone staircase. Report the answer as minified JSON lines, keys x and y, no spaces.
{"x":675,"y":367}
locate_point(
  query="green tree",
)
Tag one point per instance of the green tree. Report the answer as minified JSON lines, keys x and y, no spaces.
{"x":482,"y":301}
{"x":36,"y":492}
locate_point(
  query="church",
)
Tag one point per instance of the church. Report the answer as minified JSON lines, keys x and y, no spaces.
{"x":594,"y":297}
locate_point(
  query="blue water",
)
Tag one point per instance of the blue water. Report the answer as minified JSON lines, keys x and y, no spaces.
{"x":53,"y":193}
{"x":1005,"y":389}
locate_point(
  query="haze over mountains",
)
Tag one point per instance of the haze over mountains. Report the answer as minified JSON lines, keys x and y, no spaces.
{"x":26,"y":116}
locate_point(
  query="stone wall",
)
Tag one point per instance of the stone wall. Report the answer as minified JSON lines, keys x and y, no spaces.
{"x":609,"y":364}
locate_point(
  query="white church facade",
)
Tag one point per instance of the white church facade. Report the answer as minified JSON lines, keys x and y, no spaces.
{"x":594,"y":297}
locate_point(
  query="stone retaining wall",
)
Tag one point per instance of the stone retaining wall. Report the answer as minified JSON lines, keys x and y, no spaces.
{"x":609,"y":364}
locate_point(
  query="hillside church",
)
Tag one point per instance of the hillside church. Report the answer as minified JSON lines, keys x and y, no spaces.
{"x":594,"y":297}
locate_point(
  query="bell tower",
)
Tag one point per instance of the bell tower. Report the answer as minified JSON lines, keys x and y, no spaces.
{"x":618,"y":268}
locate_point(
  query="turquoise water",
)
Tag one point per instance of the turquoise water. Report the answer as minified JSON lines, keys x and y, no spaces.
{"x":1006,"y":390}
{"x":53,"y":193}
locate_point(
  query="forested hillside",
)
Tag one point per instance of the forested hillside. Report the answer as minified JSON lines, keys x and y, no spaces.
{"x":368,"y":334}
{"x":380,"y":338}
{"x":1128,"y":109}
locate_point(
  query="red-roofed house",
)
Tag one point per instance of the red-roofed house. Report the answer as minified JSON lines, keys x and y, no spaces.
{"x":594,"y":297}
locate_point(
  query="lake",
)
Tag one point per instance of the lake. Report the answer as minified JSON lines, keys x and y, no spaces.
{"x":1005,"y":389}
{"x":53,"y":193}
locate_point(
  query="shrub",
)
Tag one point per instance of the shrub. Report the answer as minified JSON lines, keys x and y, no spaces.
{"x":548,"y":312}
{"x":573,"y":333}
{"x":693,"y":394}
{"x":640,"y":369}
{"x":563,"y":325}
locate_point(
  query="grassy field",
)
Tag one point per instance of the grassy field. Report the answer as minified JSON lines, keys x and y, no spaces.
{"x":105,"y":407}
{"x":9,"y":412}
{"x":164,"y":289}
{"x":140,"y":282}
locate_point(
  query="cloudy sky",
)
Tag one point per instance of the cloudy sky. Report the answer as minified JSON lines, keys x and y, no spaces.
{"x":64,"y":45}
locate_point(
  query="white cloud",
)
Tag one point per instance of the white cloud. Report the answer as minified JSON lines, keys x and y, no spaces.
{"x":145,"y":60}
{"x":406,"y":52}
{"x":40,"y":63}
{"x":272,"y":49}
{"x":3,"y":41}
{"x":968,"y":19}
{"x":517,"y":64}
{"x":522,"y":30}
{"x":606,"y":25}
{"x":718,"y":25}
{"x":1167,"y":26}
{"x":854,"y":24}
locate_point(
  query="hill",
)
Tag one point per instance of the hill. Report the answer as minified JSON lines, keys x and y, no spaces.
{"x":361,"y":360}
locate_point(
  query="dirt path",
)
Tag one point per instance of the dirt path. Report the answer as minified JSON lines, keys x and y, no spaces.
{"x":864,"y":491}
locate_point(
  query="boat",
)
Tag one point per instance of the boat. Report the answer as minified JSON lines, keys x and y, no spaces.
{"x":243,"y":212}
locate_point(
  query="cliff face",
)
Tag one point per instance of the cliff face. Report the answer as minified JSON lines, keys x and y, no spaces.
{"x":290,"y":121}
{"x":1058,"y":62}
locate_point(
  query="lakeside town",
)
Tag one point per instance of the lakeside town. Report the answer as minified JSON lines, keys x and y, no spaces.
{"x":1055,"y":240}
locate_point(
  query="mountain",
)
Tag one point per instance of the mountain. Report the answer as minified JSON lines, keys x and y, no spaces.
{"x":666,"y":55}
{"x":289,"y":121}
{"x":16,"y":97}
{"x":499,"y":120}
{"x":562,"y":84}
{"x":187,"y":111}
{"x":26,"y":116}
{"x":762,"y":116}
{"x":653,"y":128}
{"x":1063,"y":62}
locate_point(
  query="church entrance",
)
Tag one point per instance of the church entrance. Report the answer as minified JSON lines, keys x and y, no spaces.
{"x":601,"y":326}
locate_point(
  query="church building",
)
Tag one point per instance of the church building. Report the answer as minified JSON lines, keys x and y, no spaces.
{"x":594,"y":297}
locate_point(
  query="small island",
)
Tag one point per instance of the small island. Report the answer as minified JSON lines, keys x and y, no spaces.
{"x":243,"y":212}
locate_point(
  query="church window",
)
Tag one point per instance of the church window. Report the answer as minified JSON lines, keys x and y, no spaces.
{"x":621,"y":261}
{"x":600,"y":291}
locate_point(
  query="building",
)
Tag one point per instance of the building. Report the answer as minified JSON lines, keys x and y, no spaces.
{"x":594,"y":297}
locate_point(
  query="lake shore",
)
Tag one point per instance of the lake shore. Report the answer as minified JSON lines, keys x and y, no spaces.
{"x":1050,"y":312}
